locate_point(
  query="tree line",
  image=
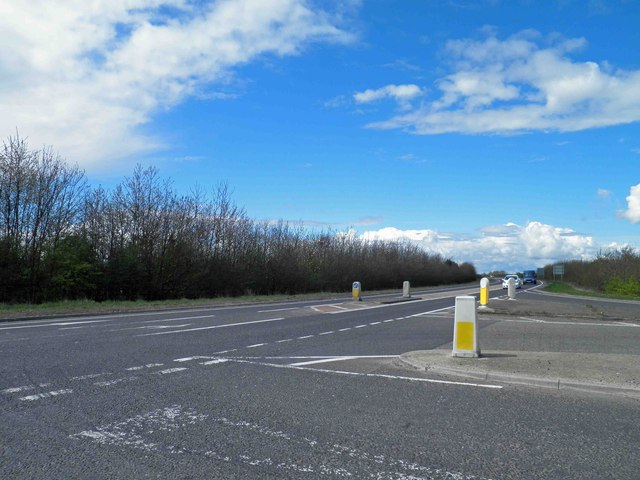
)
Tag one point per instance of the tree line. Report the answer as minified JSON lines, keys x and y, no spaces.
{"x":615,"y":271}
{"x":61,"y":239}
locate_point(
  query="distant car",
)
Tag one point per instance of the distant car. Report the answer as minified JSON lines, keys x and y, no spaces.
{"x":529,"y":276}
{"x":505,"y":281}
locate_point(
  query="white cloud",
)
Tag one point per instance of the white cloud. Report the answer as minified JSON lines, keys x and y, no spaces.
{"x":632,"y":213}
{"x":400,"y":93}
{"x":498,"y":247}
{"x":523,"y":83}
{"x":85,"y":76}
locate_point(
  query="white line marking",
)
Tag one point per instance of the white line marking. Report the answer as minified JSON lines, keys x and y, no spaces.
{"x":278,"y":310}
{"x":90,"y":376}
{"x":360,"y":326}
{"x":24,"y":387}
{"x":256,"y":345}
{"x":148,"y":365}
{"x":432,"y":311}
{"x":285,"y":340}
{"x":327,"y":333}
{"x":57,"y":324}
{"x":172,"y":370}
{"x":108,"y":383}
{"x":375,"y":323}
{"x":344,"y":329}
{"x":216,"y":361}
{"x":212,"y":327}
{"x":225,"y":351}
{"x":188,"y":359}
{"x":627,"y":324}
{"x":584,"y":324}
{"x":306,"y":336}
{"x":324,"y":360}
{"x":387,"y":321}
{"x":40,"y":396}
{"x":373,"y":375}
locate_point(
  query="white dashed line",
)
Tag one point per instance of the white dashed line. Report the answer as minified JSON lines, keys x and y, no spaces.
{"x":285,"y":340}
{"x":90,"y":376}
{"x":216,"y":361}
{"x":256,"y":345}
{"x":108,"y":383}
{"x":188,"y":359}
{"x":172,"y":370}
{"x":306,"y":336}
{"x":360,"y":326}
{"x":327,"y":333}
{"x":40,"y":396}
{"x":344,"y":329}
{"x":387,"y":321}
{"x":141,"y":367}
{"x":375,"y":323}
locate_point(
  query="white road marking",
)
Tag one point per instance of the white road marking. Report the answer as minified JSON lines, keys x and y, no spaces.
{"x":360,"y":326}
{"x":256,"y":345}
{"x":188,"y":359}
{"x":108,"y":383}
{"x":278,"y":310}
{"x":584,"y":324}
{"x":432,"y":311}
{"x":327,"y":333}
{"x":148,"y":365}
{"x":24,"y":388}
{"x":214,"y":362}
{"x":40,"y":396}
{"x":56,"y":324}
{"x":323,"y":360}
{"x":375,"y":323}
{"x":387,"y":321}
{"x":306,"y":336}
{"x":225,"y":351}
{"x":372,"y":375}
{"x":90,"y":376}
{"x":344,"y":329}
{"x":213,"y":327}
{"x":172,"y":370}
{"x":285,"y":340}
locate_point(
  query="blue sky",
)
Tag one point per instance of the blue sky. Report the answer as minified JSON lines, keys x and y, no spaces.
{"x":501,"y":133}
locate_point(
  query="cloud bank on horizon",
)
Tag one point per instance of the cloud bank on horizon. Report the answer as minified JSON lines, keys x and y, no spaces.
{"x":509,"y":246}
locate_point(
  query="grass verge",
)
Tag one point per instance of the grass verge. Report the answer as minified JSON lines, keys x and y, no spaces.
{"x":567,"y":289}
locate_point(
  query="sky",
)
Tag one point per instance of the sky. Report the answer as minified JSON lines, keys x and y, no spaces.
{"x":502,"y":133}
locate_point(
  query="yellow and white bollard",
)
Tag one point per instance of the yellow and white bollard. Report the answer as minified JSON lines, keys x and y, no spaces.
{"x":484,"y":292}
{"x":356,"y":290}
{"x":465,"y":329}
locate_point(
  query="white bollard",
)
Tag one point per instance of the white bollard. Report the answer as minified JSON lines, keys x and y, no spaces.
{"x":406,"y":290}
{"x":465,"y":328}
{"x":511,"y":288}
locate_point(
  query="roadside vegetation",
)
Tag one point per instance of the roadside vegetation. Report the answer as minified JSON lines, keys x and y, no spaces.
{"x":61,"y":240}
{"x":615,"y":273}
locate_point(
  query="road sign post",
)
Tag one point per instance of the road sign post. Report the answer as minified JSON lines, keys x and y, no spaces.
{"x":465,"y":329}
{"x":406,"y":290}
{"x":484,"y":292}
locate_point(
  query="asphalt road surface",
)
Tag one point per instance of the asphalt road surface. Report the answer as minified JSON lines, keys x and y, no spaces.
{"x":300,"y":390}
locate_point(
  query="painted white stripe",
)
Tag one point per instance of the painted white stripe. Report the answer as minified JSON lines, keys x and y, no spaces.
{"x":387,"y":321}
{"x":225,"y":351}
{"x":285,"y":340}
{"x":375,"y":323}
{"x":108,"y":383}
{"x":344,"y":329}
{"x":91,"y":375}
{"x":373,"y":375}
{"x":432,"y":311}
{"x":188,"y":359}
{"x":149,"y":365}
{"x":585,"y":324}
{"x":360,"y":326}
{"x":214,"y":362}
{"x":56,"y":324}
{"x":172,"y":370}
{"x":324,"y":360}
{"x":24,"y":388}
{"x":327,"y":333}
{"x":256,"y":345}
{"x":306,"y":336}
{"x":278,"y":310}
{"x":40,"y":396}
{"x":212,"y":327}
